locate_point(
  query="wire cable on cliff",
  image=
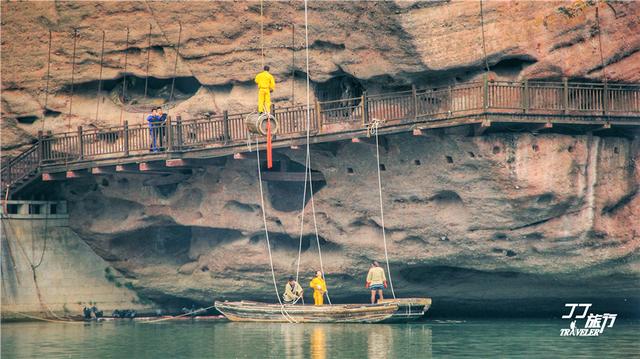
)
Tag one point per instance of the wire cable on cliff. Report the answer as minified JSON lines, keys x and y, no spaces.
{"x":46,"y":90}
{"x":307,"y":172}
{"x":484,"y":47}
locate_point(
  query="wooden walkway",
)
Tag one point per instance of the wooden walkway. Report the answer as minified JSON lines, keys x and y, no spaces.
{"x":127,"y":147}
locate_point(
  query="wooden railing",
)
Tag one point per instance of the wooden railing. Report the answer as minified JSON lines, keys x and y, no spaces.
{"x":526,"y":97}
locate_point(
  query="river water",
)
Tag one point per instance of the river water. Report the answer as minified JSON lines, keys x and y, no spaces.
{"x":185,"y":339}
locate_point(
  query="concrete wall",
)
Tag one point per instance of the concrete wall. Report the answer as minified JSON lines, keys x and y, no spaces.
{"x":67,"y":276}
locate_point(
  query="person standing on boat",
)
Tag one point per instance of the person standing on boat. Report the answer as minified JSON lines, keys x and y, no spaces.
{"x":319,"y":288}
{"x":376,"y":281}
{"x":292,"y":291}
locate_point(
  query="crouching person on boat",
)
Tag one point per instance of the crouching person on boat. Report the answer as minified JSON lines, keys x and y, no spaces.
{"x":376,"y":281}
{"x":292,"y":291}
{"x":319,"y":288}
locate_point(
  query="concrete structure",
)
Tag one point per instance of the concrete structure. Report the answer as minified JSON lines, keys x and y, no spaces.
{"x":48,"y":271}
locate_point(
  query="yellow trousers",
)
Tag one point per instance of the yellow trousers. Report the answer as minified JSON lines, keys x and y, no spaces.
{"x":318,"y":297}
{"x":264,"y":100}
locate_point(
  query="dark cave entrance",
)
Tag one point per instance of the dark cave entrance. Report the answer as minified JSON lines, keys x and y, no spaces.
{"x":157,"y":88}
{"x":287,"y":196}
{"x":343,"y":86}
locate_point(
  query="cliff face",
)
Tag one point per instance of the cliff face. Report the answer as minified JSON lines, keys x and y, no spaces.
{"x":353,"y":46}
{"x":502,"y":217}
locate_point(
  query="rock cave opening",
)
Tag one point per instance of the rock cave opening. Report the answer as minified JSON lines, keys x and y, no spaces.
{"x":286,"y":196}
{"x":157,"y":89}
{"x":287,"y":243}
{"x":512,"y":66}
{"x":341,"y":86}
{"x":27,"y":120}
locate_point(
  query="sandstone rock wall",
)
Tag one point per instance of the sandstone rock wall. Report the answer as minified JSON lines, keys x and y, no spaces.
{"x":68,"y":274}
{"x":501,"y":217}
{"x":377,"y":45}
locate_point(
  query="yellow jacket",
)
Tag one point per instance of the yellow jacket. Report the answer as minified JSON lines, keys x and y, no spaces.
{"x":265,"y":81}
{"x":318,"y":282}
{"x":376,"y":276}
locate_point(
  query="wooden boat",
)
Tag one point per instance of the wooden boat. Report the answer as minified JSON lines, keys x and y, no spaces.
{"x":408,"y":309}
{"x":248,"y":311}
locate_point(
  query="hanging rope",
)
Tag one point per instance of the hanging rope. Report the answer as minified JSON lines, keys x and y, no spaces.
{"x":604,"y":72}
{"x":307,"y":172}
{"x":261,"y":33}
{"x":73,"y":72}
{"x":484,"y":48}
{"x":124,"y":77}
{"x":266,"y":234}
{"x":146,"y":78}
{"x":374,"y":129}
{"x":45,"y":319}
{"x":178,"y":316}
{"x":293,"y":63}
{"x":100,"y":78}
{"x":46,"y":90}
{"x":175,"y":65}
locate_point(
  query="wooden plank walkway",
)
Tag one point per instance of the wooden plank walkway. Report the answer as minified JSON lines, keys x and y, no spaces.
{"x":473,"y":103}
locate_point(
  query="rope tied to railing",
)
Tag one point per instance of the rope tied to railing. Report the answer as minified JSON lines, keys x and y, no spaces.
{"x":46,"y":90}
{"x":124,"y":77}
{"x":73,"y":73}
{"x":99,"y":96}
{"x":484,"y":48}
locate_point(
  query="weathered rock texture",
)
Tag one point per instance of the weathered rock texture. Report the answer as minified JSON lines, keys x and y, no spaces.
{"x":503,"y":217}
{"x":372,"y":45}
{"x":47,"y":270}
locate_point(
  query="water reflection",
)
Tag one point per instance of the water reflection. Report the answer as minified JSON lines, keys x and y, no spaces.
{"x":481,"y":339}
{"x":379,"y":342}
{"x":318,"y":343}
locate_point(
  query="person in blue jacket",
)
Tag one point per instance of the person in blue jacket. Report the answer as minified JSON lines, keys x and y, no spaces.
{"x":153,"y":130}
{"x":161,"y":128}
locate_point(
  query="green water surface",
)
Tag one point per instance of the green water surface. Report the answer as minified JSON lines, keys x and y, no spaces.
{"x":430,"y":339}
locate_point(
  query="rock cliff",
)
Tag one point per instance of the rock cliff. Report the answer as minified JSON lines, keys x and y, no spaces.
{"x":470,"y":219}
{"x":503,"y":218}
{"x":353,"y":46}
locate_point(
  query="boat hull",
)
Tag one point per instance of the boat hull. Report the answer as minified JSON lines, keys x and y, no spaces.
{"x":247,"y":311}
{"x":409,"y":309}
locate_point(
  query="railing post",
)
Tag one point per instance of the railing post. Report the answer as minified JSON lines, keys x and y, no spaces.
{"x":169,"y":134}
{"x":179,"y":132}
{"x":605,"y":99}
{"x":414,"y":94}
{"x":80,"y":143}
{"x":485,"y":92}
{"x":525,"y":96}
{"x":273,"y":113}
{"x":565,"y":95}
{"x":365,"y":109}
{"x":125,"y":138}
{"x":40,"y":148}
{"x":318,"y":115}
{"x":225,"y":126}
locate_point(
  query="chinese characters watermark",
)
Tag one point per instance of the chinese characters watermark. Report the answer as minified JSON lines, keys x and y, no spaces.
{"x":594,"y":325}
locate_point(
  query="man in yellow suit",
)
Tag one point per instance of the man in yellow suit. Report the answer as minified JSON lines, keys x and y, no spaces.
{"x":266,"y":84}
{"x":319,"y":288}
